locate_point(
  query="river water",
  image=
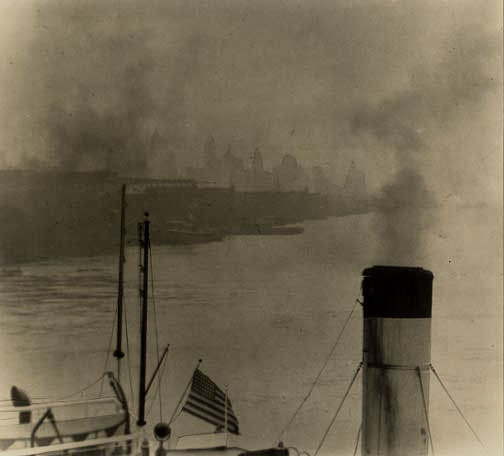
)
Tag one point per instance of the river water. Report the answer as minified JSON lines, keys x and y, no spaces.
{"x":263,"y":314}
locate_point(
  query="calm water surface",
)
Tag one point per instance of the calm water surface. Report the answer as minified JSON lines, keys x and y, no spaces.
{"x":263,"y":313}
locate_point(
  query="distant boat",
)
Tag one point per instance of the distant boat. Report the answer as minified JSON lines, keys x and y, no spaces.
{"x":184,"y":233}
{"x":265,"y":229}
{"x":280,"y":230}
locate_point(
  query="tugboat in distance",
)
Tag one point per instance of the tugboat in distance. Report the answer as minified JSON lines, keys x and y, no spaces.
{"x":180,"y":232}
{"x":266,"y":226}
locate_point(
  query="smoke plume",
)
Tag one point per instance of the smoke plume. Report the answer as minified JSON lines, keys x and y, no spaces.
{"x":103,"y":87}
{"x":401,"y":125}
{"x":88,"y":83}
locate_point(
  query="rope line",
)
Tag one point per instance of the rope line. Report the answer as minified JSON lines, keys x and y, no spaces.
{"x":82,"y":390}
{"x":173,"y":417}
{"x":457,"y":407}
{"x":326,"y":433}
{"x":424,"y":403}
{"x":176,"y":417}
{"x":47,"y":400}
{"x":158,"y":386}
{"x":129,"y":356}
{"x":317,"y":378}
{"x":159,"y":389}
{"x":357,"y":440}
{"x":109,"y":350}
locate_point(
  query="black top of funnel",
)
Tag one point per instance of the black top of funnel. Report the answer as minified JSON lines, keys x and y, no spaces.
{"x":396,"y":271}
{"x":397,"y":292}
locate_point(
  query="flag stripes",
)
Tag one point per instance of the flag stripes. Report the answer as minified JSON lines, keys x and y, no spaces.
{"x":231,"y":428}
{"x":207,"y":402}
{"x":217,"y":406}
{"x":195,"y":400}
{"x":204,"y":415}
{"x":217,"y":403}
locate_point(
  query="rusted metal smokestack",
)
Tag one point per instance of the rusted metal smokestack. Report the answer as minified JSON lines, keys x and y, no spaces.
{"x":396,"y":360}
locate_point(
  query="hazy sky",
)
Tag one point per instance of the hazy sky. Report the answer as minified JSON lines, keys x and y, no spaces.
{"x":411,"y":90}
{"x":393,"y":85}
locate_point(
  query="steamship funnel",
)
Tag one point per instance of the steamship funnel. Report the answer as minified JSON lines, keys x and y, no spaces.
{"x":396,"y":360}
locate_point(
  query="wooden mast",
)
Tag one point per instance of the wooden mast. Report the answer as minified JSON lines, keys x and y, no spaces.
{"x":118,"y":353}
{"x":145,"y":244}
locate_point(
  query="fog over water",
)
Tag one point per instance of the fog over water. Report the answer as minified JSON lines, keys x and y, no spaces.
{"x":410,"y":91}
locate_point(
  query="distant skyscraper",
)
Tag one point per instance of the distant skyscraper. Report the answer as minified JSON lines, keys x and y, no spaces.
{"x":289,"y":175}
{"x":257,"y":178}
{"x":233,"y":171}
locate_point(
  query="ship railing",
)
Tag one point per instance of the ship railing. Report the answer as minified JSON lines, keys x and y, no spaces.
{"x":62,"y":409}
{"x":105,"y":446}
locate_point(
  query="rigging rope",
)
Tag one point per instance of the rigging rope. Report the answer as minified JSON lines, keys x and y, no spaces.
{"x":457,"y":407}
{"x":357,"y":440}
{"x":159,"y":389}
{"x":424,"y":403}
{"x":173,"y":417}
{"x":82,"y":390}
{"x":338,"y":410}
{"x":299,"y":453}
{"x":46,"y":400}
{"x":129,"y":356}
{"x":109,"y":350}
{"x":317,"y":378}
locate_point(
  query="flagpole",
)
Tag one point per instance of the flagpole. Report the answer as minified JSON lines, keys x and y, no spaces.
{"x":185,"y":392}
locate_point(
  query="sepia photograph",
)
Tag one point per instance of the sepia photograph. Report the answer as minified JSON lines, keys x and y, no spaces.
{"x":251,"y":228}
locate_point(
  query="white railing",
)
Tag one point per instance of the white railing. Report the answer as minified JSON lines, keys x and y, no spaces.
{"x":53,"y":404}
{"x":61,"y":447}
{"x":62,"y":409}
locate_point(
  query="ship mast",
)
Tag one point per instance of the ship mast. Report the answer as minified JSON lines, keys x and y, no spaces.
{"x":118,"y":353}
{"x":144,"y":238}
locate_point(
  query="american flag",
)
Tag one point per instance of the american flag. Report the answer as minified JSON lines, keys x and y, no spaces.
{"x":206,"y":402}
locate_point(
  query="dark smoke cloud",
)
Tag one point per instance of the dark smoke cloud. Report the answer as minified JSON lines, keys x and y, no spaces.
{"x":100,"y":95}
{"x":403,"y":207}
{"x":95,"y":93}
{"x":405,"y":123}
{"x":98,"y":78}
{"x":400,"y":202}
